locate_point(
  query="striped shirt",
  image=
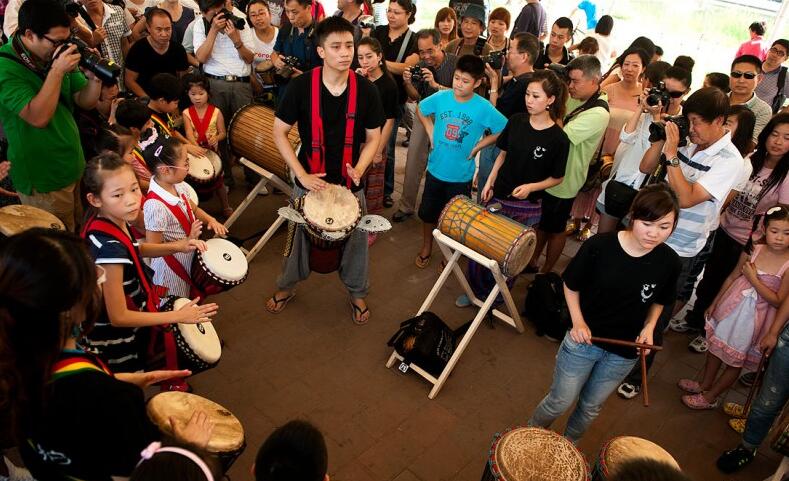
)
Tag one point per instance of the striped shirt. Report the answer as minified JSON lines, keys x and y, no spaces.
{"x":114,"y":22}
{"x":117,"y":346}
{"x":159,"y":218}
{"x":717,"y":169}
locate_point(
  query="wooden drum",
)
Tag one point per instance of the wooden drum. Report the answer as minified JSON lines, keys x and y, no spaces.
{"x":227,"y":441}
{"x":19,"y":218}
{"x":627,"y":448}
{"x":534,"y":454}
{"x":494,"y":236}
{"x":250,"y":136}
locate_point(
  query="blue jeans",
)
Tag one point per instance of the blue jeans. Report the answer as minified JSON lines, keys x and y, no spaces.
{"x":389,"y":172}
{"x":584,"y":372}
{"x":487,"y":157}
{"x":772,"y":395}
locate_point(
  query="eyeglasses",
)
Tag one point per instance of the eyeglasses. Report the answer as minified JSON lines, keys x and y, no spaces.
{"x":56,"y":43}
{"x":396,"y":12}
{"x":747,"y":75}
{"x":778,"y":51}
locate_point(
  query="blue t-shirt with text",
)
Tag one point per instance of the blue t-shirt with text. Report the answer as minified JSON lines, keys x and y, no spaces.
{"x":458,"y":126}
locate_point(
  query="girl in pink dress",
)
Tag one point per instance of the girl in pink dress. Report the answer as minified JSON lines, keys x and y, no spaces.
{"x":742,"y":313}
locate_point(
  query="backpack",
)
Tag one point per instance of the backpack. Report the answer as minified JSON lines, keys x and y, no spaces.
{"x":778,"y":100}
{"x":546,"y":307}
{"x":426,"y":341}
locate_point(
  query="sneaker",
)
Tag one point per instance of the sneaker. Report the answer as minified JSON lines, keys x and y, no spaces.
{"x":738,"y":425}
{"x":627,"y":390}
{"x":400,"y":216}
{"x":699,"y":345}
{"x":748,"y":379}
{"x":734,"y":410}
{"x":462,"y":301}
{"x":679,"y":325}
{"x":736,"y":459}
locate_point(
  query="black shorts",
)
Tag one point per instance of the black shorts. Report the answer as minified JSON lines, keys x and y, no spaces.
{"x":555,"y":212}
{"x":436,"y":195}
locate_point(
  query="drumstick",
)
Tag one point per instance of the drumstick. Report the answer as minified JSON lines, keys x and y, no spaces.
{"x":645,"y":389}
{"x":643,"y":356}
{"x":755,"y":386}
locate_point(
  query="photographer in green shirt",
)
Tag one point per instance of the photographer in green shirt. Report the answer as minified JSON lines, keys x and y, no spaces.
{"x":40,"y":84}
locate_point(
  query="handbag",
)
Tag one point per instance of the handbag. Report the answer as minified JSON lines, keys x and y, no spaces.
{"x":618,"y":198}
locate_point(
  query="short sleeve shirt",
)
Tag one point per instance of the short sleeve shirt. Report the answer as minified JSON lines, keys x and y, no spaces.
{"x":387,"y":90}
{"x":617,"y":290}
{"x":45,"y":159}
{"x":458,"y":126}
{"x":391,"y":49}
{"x":737,"y":219}
{"x":147,"y":62}
{"x":513,"y":96}
{"x":302,"y":45}
{"x":768,"y":87}
{"x":224,"y":58}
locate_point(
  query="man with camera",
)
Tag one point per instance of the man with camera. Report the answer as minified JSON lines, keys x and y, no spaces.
{"x":225,"y":48}
{"x":433,"y":73}
{"x":296,"y":50}
{"x":556,"y":50}
{"x":702,"y":166}
{"x":40,"y":85}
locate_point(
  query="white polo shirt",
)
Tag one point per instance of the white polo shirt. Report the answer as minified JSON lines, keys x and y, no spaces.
{"x":224,"y":58}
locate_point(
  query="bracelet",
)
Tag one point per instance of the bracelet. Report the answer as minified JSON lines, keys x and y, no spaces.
{"x":493,"y":91}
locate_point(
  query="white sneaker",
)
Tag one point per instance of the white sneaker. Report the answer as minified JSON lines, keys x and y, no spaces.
{"x":699,"y":345}
{"x":627,"y":390}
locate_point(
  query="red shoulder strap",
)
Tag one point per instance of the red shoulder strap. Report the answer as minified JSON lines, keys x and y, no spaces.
{"x":350,"y":123}
{"x":201,"y":125}
{"x":186,"y":220}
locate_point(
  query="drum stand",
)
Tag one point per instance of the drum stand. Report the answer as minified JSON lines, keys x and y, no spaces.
{"x":266,"y":177}
{"x":452,"y":250}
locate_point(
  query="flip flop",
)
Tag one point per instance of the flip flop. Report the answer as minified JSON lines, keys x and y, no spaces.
{"x":358,"y":311}
{"x":284,"y":301}
{"x":422,"y":262}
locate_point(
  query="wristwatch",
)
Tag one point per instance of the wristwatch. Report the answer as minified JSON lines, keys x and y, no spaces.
{"x":673,"y":162}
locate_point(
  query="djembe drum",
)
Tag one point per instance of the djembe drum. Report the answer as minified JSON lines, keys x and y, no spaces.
{"x":250,"y":136}
{"x":627,"y":448}
{"x":534,"y":454}
{"x":227,"y":440}
{"x":198,"y":345}
{"x":19,"y":218}
{"x":220,"y":268}
{"x":494,"y":236}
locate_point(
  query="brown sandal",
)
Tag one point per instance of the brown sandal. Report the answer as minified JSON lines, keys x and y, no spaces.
{"x":422,"y":262}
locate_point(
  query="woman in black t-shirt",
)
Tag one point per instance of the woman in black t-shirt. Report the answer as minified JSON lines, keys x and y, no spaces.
{"x":72,"y":418}
{"x":616,"y":287}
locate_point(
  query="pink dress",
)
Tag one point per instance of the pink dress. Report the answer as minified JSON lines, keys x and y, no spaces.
{"x":742,"y":318}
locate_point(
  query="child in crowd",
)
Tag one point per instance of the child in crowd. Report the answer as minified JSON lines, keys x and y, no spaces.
{"x":533,"y":158}
{"x":743,"y":312}
{"x":130,"y":299}
{"x":740,"y":122}
{"x":293,"y":452}
{"x":459,"y":120}
{"x":172,"y":463}
{"x":587,"y":46}
{"x":136,"y":117}
{"x":204,"y":125}
{"x":165,"y":91}
{"x":172,"y":218}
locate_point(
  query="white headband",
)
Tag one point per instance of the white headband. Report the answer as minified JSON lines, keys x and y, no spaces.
{"x":156,"y":447}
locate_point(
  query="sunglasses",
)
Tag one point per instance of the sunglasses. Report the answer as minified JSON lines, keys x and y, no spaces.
{"x":675,"y":94}
{"x":747,"y":75}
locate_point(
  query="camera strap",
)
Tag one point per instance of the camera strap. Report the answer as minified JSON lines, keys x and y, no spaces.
{"x":24,"y":60}
{"x":592,"y":102}
{"x":404,"y":46}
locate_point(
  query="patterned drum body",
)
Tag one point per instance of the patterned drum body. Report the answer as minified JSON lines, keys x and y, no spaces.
{"x":19,"y":218}
{"x":220,"y":268}
{"x":250,"y":136}
{"x":227,"y":440}
{"x":494,"y":236}
{"x":534,"y":454}
{"x":198,"y":345}
{"x":626,"y":448}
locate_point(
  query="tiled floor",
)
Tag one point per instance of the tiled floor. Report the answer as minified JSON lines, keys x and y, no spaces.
{"x":312,"y":362}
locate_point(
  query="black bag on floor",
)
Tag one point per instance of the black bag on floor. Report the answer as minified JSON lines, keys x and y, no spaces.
{"x":546,"y":307}
{"x":425,"y":341}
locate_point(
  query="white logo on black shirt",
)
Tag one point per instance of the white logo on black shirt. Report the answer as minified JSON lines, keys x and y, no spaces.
{"x":538,"y":152}
{"x":646,"y":292}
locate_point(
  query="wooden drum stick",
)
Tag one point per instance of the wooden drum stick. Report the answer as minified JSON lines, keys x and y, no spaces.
{"x":642,"y":355}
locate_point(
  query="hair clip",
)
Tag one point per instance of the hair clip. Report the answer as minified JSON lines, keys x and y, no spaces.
{"x":158,"y":151}
{"x":773,"y":210}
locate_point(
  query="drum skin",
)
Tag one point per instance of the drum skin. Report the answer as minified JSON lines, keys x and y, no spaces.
{"x":494,"y":236}
{"x":221,"y":267}
{"x":626,"y":448}
{"x":250,"y":136}
{"x":19,"y":218}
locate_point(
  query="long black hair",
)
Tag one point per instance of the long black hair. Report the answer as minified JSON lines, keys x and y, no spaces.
{"x":742,"y":138}
{"x":759,"y":157}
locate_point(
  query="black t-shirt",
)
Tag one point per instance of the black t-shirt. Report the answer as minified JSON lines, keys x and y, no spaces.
{"x":617,"y":290}
{"x":295,"y":108}
{"x":513,"y":96}
{"x":93,"y":427}
{"x":391,"y":50}
{"x":144,"y":60}
{"x":532,"y":155}
{"x":387,"y":90}
{"x":544,"y":59}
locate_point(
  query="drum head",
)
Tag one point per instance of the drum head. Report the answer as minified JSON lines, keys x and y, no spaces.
{"x":201,"y":338}
{"x":332,"y":209}
{"x":19,"y":218}
{"x":201,"y":168}
{"x":216,"y":162}
{"x":228,"y":435}
{"x":625,"y":448}
{"x":536,"y":454}
{"x":520,"y":253}
{"x":225,"y":260}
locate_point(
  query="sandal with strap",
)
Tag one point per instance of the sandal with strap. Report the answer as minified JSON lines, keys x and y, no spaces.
{"x":357,"y":314}
{"x":738,"y":425}
{"x":689,"y":386}
{"x":422,"y":262}
{"x":279,"y":304}
{"x":699,"y":402}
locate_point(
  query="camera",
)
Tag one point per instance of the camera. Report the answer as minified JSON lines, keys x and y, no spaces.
{"x":106,"y":70}
{"x":495,"y":59}
{"x":75,"y":9}
{"x":658,"y":95}
{"x":128,"y":95}
{"x":290,"y":62}
{"x":237,"y":22}
{"x":416,"y":74}
{"x":366,"y":21}
{"x":657,"y":130}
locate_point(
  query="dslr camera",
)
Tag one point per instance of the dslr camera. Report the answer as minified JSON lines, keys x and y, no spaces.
{"x":106,"y":70}
{"x":657,"y":130}
{"x":416,"y":75}
{"x":658,"y":95}
{"x":237,"y":22}
{"x":495,"y":59}
{"x":366,"y":21}
{"x":290,"y":62}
